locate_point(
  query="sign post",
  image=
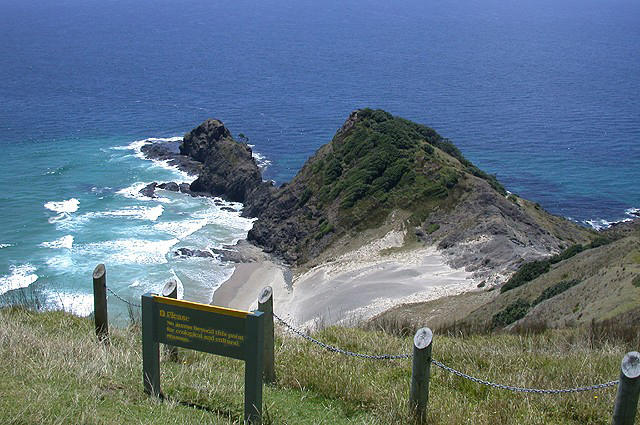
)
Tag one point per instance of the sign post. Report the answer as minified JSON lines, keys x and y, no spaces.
{"x":217,"y":330}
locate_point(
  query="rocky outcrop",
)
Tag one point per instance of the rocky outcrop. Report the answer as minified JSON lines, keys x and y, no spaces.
{"x":491,"y":234}
{"x":186,"y":252}
{"x":150,"y":189}
{"x":169,"y":151}
{"x":229,"y":170}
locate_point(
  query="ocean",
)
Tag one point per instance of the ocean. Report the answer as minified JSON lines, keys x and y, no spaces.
{"x":544,"y":94}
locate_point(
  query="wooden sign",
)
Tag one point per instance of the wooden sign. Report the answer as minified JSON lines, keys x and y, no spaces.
{"x":217,"y":330}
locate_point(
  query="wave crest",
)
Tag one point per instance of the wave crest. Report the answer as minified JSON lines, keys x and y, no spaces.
{"x":68,"y":206}
{"x":19,"y":277}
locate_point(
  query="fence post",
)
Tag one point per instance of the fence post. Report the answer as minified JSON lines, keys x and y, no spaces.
{"x":421,"y":373}
{"x":100,"y":303}
{"x":265,"y":305}
{"x":624,"y":411}
{"x":170,"y":290}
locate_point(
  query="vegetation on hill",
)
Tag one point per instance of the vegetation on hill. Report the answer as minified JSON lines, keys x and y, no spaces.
{"x":375,"y":164}
{"x":54,"y":371}
{"x":380,"y":170}
{"x":585,"y":285}
{"x":385,"y":162}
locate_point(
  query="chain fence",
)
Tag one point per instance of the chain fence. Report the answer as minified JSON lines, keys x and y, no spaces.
{"x":340,"y":350}
{"x":112,"y":292}
{"x":441,"y":365}
{"x":444,"y":367}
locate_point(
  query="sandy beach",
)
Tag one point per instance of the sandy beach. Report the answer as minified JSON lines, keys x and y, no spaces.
{"x":355,"y":286}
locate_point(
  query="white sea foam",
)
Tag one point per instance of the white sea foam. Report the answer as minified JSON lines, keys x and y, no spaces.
{"x":181,"y":229}
{"x":633,"y":212}
{"x":19,"y":277}
{"x":68,"y":206}
{"x":136,"y":283}
{"x":61,"y":263}
{"x":78,"y":304}
{"x":182,"y":176}
{"x":139,"y":213}
{"x":601,"y":224}
{"x":133,"y":191}
{"x":5,"y":245}
{"x":137,"y":145}
{"x":63,"y":242}
{"x":129,"y":251}
{"x":261,"y":161}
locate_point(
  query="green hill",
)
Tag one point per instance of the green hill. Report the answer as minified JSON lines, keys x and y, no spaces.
{"x":381,"y":170}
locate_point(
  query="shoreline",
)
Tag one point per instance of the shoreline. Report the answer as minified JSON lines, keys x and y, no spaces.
{"x":353,"y":287}
{"x":356,"y":286}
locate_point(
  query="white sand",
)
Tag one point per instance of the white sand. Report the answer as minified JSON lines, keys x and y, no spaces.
{"x":355,"y":286}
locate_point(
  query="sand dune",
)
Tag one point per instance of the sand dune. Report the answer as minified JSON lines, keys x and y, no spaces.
{"x":355,"y":286}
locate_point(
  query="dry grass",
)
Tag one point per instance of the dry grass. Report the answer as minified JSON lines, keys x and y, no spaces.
{"x":54,"y":371}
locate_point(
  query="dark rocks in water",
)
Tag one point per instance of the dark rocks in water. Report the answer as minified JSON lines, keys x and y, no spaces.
{"x":234,"y":256}
{"x":168,"y":151}
{"x":229,"y":169}
{"x":185,"y":188}
{"x":228,"y":209}
{"x":149,"y":190}
{"x":171,"y":186}
{"x":186,"y":252}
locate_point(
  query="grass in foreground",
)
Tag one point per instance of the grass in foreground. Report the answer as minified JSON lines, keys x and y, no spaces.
{"x":53,"y":371}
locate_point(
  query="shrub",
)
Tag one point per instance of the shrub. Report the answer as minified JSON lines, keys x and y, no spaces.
{"x":510,"y":314}
{"x":599,"y":241}
{"x":636,"y":281}
{"x":306,"y":195}
{"x":566,"y":254}
{"x":432,"y":227}
{"x":526,"y":273}
{"x":556,"y":289}
{"x":332,"y":171}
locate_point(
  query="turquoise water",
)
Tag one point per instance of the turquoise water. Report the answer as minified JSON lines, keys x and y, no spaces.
{"x":84,"y":209}
{"x":544,"y":94}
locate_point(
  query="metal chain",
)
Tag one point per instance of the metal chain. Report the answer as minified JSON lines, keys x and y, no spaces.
{"x":520,"y":389}
{"x":444,"y":367}
{"x":340,"y":350}
{"x":122,"y":299}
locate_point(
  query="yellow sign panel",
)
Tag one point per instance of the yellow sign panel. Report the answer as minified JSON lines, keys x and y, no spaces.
{"x":200,"y":306}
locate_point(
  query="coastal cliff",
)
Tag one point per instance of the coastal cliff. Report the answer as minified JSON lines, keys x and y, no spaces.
{"x":229,"y":169}
{"x":381,"y":172}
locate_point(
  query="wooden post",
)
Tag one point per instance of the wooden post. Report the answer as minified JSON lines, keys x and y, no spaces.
{"x":420,"y":374}
{"x":265,"y":305}
{"x":624,"y":411}
{"x":253,"y":368}
{"x":170,"y":290}
{"x":100,"y":303}
{"x":150,"y":349}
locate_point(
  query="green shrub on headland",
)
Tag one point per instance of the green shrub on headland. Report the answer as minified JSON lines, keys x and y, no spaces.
{"x":385,"y":162}
{"x":531,"y":270}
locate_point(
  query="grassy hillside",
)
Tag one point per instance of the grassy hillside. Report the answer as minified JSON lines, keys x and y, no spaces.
{"x":54,"y":372}
{"x":597,"y":282}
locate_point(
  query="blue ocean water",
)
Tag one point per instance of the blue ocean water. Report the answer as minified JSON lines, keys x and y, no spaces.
{"x":544,"y":94}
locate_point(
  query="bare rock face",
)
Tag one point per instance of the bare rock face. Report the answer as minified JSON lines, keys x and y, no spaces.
{"x":229,"y":169}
